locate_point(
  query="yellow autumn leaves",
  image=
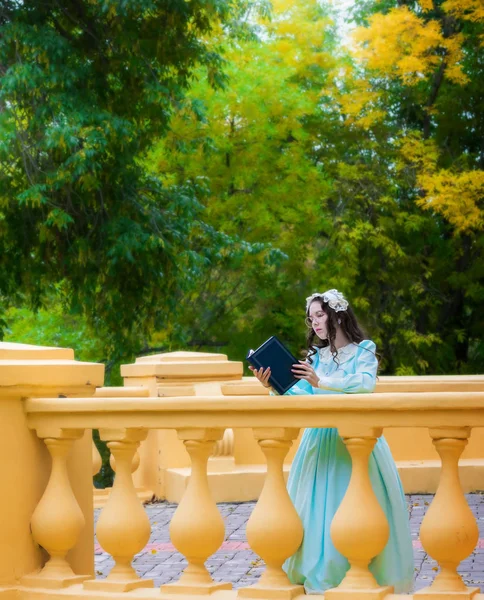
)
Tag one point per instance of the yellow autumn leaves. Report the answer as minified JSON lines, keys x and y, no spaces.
{"x":470,"y":10}
{"x":418,"y":52}
{"x":455,"y":195}
{"x":401,"y":45}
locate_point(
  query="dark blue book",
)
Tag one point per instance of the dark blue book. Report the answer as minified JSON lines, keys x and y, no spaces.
{"x":275,"y":355}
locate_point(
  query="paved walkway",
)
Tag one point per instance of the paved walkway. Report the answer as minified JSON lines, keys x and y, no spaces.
{"x":236,"y":563}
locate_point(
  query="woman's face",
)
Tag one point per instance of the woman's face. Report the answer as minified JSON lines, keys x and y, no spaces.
{"x":318,"y":319}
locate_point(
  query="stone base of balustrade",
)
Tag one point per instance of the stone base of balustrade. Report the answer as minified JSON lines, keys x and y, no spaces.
{"x":100,"y":496}
{"x":428,"y":594}
{"x":105,"y":585}
{"x":78,"y":592}
{"x":259,"y":592}
{"x":52,"y":583}
{"x":358,"y":594}
{"x":194,"y":590}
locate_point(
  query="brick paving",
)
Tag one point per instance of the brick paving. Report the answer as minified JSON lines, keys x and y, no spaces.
{"x":236,"y":563}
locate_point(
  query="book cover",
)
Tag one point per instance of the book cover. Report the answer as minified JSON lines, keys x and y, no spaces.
{"x":275,"y":355}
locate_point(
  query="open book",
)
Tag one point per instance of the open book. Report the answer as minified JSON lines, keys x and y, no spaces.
{"x":275,"y":355}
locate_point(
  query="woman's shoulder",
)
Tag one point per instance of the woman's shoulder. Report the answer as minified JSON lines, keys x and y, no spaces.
{"x":367,"y":345}
{"x":366,"y":351}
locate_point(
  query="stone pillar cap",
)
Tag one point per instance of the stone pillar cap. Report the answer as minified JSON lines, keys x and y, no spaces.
{"x":185,"y":367}
{"x":185,"y":357}
{"x":12,"y":351}
{"x":42,"y":370}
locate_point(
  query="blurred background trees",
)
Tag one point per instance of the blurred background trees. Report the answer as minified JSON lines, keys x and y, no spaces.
{"x":182,"y":175}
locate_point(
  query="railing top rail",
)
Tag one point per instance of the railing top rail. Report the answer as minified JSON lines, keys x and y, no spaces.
{"x":437,"y":409}
{"x":425,"y":386}
{"x":404,"y":378}
{"x":402,"y":401}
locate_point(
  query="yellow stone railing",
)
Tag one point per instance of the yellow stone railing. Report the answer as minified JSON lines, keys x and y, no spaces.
{"x":430,"y":383}
{"x":101,"y":495}
{"x":449,"y":531}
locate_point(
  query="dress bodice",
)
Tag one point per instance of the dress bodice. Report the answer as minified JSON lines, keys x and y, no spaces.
{"x":352,"y":371}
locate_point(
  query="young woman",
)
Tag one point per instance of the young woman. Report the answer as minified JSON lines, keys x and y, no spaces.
{"x":340,"y":360}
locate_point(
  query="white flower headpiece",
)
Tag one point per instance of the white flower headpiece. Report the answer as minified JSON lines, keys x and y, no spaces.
{"x":335,"y":299}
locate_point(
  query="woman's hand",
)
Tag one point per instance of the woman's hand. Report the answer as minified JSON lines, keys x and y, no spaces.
{"x":305,"y":371}
{"x":262,"y":376}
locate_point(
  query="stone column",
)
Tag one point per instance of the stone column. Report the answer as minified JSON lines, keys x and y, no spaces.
{"x":359,"y":529}
{"x":57,"y":520}
{"x":449,"y":531}
{"x":274,"y":530}
{"x":197,"y":528}
{"x":123,"y":528}
{"x":36,"y":371}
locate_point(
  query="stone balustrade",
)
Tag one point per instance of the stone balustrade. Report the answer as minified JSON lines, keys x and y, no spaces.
{"x":449,"y":532}
{"x":236,"y":471}
{"x":430,"y":383}
{"x":101,"y":495}
{"x":49,"y":405}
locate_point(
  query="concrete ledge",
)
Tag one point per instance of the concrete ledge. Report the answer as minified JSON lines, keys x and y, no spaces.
{"x":244,"y":482}
{"x":422,"y":477}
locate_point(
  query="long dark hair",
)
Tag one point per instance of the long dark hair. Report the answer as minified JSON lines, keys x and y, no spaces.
{"x":349,"y":326}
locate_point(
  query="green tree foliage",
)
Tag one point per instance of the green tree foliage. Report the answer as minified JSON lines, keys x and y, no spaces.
{"x":252,"y":143}
{"x":413,"y":100}
{"x":312,"y":167}
{"x":85,"y":86}
{"x":323,"y":153}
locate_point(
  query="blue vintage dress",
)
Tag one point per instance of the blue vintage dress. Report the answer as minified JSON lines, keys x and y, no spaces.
{"x":320,"y":475}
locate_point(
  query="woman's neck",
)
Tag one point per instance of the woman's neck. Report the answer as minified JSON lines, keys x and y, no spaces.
{"x":340,"y":340}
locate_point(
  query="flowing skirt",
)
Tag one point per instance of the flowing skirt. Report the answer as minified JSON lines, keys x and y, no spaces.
{"x":318,"y":480}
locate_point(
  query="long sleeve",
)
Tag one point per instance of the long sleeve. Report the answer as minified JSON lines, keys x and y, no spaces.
{"x":363,"y":380}
{"x":301,"y":388}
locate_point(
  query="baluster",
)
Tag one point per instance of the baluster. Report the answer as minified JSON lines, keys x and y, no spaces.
{"x":449,"y":531}
{"x":274,"y":530}
{"x":97,"y":461}
{"x":123,"y":528}
{"x":197,"y":528}
{"x":359,"y":530}
{"x":222,"y":459}
{"x":134,"y":463}
{"x":57,"y":520}
{"x":225,"y":446}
